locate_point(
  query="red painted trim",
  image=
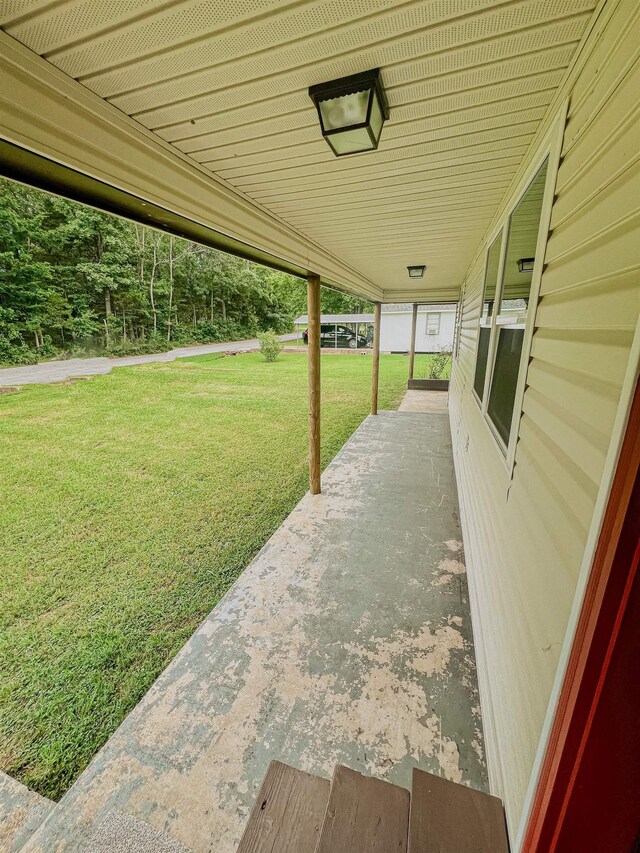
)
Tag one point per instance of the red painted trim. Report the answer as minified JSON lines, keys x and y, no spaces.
{"x":584,"y":690}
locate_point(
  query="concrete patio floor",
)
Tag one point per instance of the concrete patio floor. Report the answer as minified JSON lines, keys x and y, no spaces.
{"x":347,"y":640}
{"x":424,"y":401}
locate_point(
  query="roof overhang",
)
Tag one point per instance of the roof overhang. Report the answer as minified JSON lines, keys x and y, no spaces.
{"x":57,"y":135}
{"x":199,"y":122}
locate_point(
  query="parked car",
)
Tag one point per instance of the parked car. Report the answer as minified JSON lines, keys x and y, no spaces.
{"x":330,"y":336}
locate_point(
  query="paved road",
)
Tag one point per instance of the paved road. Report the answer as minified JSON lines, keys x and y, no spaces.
{"x":58,"y":371}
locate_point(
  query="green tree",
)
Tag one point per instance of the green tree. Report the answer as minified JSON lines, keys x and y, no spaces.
{"x":74,"y":279}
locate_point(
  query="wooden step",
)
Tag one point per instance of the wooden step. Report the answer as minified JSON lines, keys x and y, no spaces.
{"x":364,"y":815}
{"x":288,"y":812}
{"x":450,"y":818}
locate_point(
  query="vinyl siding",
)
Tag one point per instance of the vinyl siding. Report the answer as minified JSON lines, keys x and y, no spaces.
{"x":395,"y":331}
{"x":525,"y":534}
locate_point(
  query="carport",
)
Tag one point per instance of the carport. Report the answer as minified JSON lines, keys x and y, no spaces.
{"x":356,"y":321}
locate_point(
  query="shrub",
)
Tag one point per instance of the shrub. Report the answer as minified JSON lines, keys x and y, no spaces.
{"x":146,"y":346}
{"x":438,"y":363}
{"x":16,"y":352}
{"x":47,"y":350}
{"x":13,"y":348}
{"x":270,"y":346}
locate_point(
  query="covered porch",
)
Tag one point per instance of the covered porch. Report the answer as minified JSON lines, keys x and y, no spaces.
{"x":347,"y":640}
{"x":508,"y":176}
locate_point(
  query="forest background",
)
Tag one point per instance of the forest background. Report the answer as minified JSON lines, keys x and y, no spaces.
{"x":76,"y":282}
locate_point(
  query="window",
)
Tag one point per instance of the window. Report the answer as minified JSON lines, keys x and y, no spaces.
{"x":486,"y":319}
{"x":524,"y":226}
{"x":433,"y":324}
{"x":505,"y":307}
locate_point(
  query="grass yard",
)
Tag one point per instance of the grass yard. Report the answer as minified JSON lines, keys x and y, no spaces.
{"x":129,"y":503}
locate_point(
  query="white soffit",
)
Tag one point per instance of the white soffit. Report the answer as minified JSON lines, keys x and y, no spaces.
{"x":225,"y":82}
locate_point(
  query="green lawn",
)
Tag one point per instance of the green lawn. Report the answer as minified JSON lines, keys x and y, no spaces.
{"x":129,"y":503}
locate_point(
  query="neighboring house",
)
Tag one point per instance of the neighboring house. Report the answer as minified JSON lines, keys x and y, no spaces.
{"x":434,"y":329}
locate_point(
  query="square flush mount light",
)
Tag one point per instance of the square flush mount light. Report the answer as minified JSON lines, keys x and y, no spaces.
{"x":526,"y":264}
{"x":416,"y":271}
{"x":352,"y":111}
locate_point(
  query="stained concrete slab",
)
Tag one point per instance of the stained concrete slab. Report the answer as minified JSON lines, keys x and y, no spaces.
{"x":425,"y":401}
{"x":347,"y":640}
{"x":21,"y":813}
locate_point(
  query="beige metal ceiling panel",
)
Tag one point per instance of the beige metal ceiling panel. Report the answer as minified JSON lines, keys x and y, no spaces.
{"x":225,"y":83}
{"x":398,"y":231}
{"x":257,"y":101}
{"x":404,"y":227}
{"x":466,"y":176}
{"x":443,"y":164}
{"x":304,"y":143}
{"x":401,"y":147}
{"x":58,"y":23}
{"x":245,"y":121}
{"x":364,"y":219}
{"x":296,"y":23}
{"x":10,"y":10}
{"x":169,"y":24}
{"x":388,"y":159}
{"x":344,"y":24}
{"x":440,"y":51}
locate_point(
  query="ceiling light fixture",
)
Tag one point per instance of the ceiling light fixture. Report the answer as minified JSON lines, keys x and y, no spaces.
{"x":352,"y":111}
{"x":416,"y":271}
{"x":526,"y":264}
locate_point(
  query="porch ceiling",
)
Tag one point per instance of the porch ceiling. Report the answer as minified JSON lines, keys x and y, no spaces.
{"x":225,"y":83}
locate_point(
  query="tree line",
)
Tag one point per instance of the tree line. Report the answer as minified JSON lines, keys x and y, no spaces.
{"x":76,"y":281}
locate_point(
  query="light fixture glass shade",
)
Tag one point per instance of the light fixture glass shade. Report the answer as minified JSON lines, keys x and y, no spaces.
{"x":350,"y":142}
{"x":416,"y":271}
{"x":352,"y":111}
{"x":346,"y":111}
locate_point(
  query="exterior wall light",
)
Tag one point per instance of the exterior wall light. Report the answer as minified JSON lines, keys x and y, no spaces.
{"x":352,"y":111}
{"x":526,"y":264}
{"x":416,"y":271}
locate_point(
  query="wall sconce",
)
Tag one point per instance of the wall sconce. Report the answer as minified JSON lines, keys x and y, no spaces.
{"x":416,"y":271}
{"x":352,"y":111}
{"x":526,"y":264}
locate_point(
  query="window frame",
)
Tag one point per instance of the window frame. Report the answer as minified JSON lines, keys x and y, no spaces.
{"x":501,"y":228}
{"x":549,"y":149}
{"x":457,"y":328}
{"x":426,"y":326}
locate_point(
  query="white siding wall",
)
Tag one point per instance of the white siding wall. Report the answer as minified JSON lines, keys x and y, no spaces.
{"x":395,"y":331}
{"x":526,"y":535}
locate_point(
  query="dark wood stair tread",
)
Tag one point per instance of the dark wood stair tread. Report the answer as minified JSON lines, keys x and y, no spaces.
{"x":288,"y":812}
{"x":450,"y":818}
{"x":364,"y":815}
